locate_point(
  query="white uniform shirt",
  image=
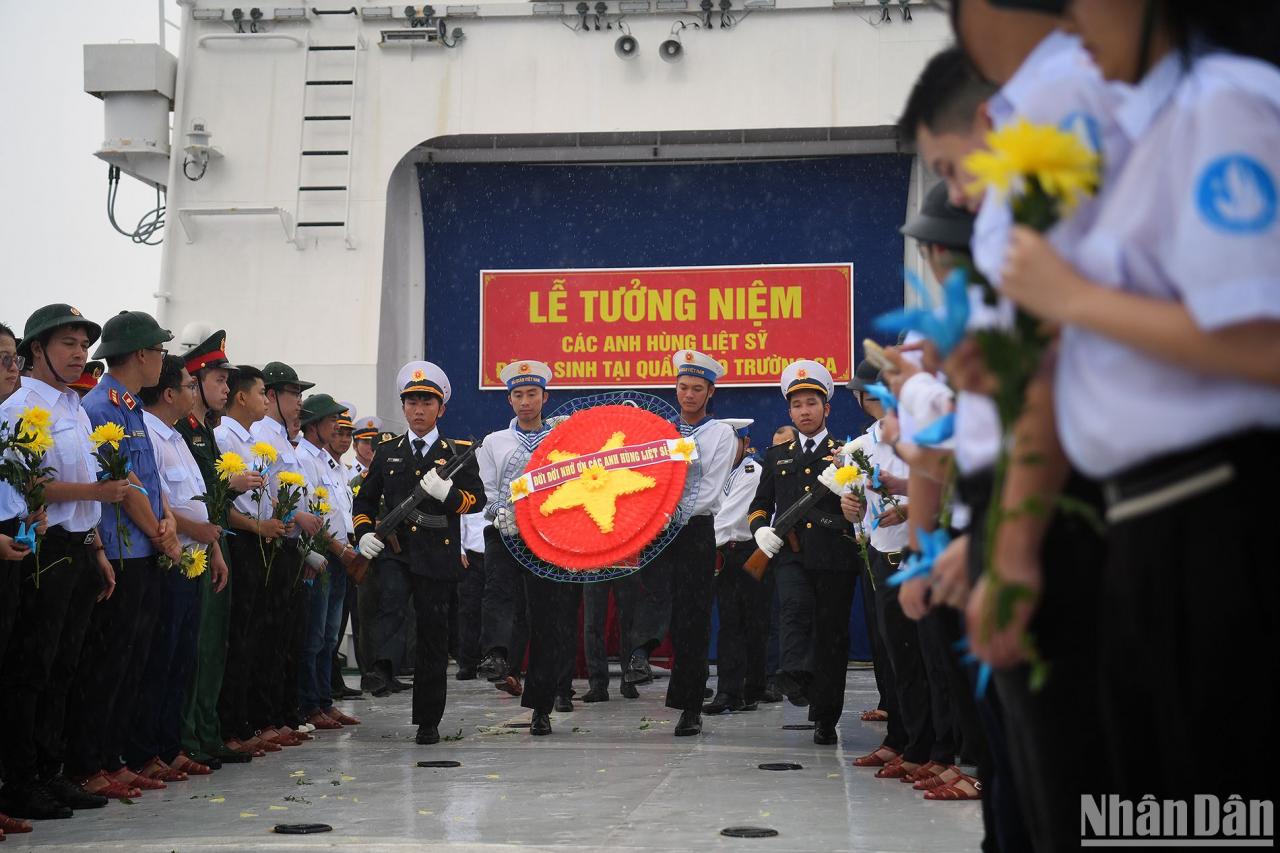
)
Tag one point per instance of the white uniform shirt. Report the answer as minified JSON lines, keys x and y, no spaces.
{"x":1191,"y":218}
{"x":314,"y":463}
{"x":273,"y":432}
{"x":180,"y":477}
{"x":233,"y":437}
{"x":886,"y":540}
{"x":736,"y":496}
{"x":717,"y":445}
{"x":501,"y":458}
{"x":473,"y":525}
{"x":925,"y":398}
{"x":71,"y":457}
{"x":343,"y":499}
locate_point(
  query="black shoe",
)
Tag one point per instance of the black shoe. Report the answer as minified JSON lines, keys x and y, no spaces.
{"x":32,"y":802}
{"x":428,"y":735}
{"x":563,"y":704}
{"x":707,"y":693}
{"x":629,"y":691}
{"x":824,"y":734}
{"x":638,"y":671}
{"x":748,"y":705}
{"x":227,"y":756}
{"x":398,"y":686}
{"x":494,"y":667}
{"x":723,"y":702}
{"x":375,"y":681}
{"x":690,"y":724}
{"x":770,"y":693}
{"x":540,"y":724}
{"x":596,"y":694}
{"x":465,"y":673}
{"x":342,"y":691}
{"x":791,"y":686}
{"x":72,"y":795}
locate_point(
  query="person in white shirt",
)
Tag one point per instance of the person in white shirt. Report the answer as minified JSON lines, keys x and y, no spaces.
{"x":325,"y":566}
{"x":278,"y":678}
{"x":680,"y":581}
{"x":470,"y":596}
{"x":239,"y":706}
{"x":742,"y":601}
{"x":337,"y":447}
{"x":155,"y":737}
{"x":1168,"y":391}
{"x":52,"y":617}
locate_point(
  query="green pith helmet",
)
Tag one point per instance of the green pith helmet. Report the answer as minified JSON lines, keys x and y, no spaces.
{"x":277,"y":373}
{"x":52,"y":317}
{"x":317,"y":407}
{"x":130,"y":331}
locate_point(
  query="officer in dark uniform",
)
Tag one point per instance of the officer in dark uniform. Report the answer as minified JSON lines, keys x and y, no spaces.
{"x":202,"y":735}
{"x":818,"y":568}
{"x":426,"y":545}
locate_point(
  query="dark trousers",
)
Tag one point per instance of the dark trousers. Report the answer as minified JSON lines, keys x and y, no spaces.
{"x":156,"y":729}
{"x":1048,"y":730}
{"x":322,"y":616}
{"x":430,"y":683}
{"x":350,"y":614}
{"x":470,"y":611}
{"x":244,"y":637}
{"x":828,"y":596}
{"x":879,"y":654}
{"x":385,"y":613}
{"x":937,"y":652}
{"x":684,"y":576}
{"x":743,"y":603}
{"x":595,"y":611}
{"x":553,"y":622}
{"x":39,"y":663}
{"x":273,"y":691}
{"x":504,"y":626}
{"x":795,"y":619}
{"x":902,"y":644}
{"x":201,"y":728}
{"x":104,"y":695}
{"x":10,"y":584}
{"x":1189,"y":629}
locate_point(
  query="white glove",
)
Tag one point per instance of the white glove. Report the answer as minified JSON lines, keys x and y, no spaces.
{"x":433,"y":485}
{"x":316,"y":561}
{"x":505,"y":520}
{"x":768,"y":541}
{"x":371,"y":546}
{"x":828,"y":479}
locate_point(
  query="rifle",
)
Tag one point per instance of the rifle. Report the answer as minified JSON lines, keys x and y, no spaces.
{"x":386,"y":526}
{"x":783,"y":526}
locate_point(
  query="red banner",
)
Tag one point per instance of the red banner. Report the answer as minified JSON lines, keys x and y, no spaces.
{"x":606,"y":328}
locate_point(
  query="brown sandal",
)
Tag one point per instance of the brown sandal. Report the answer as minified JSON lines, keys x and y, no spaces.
{"x":12,"y":825}
{"x":875,"y":715}
{"x":876,"y":758}
{"x":925,"y":771}
{"x":954,"y":792}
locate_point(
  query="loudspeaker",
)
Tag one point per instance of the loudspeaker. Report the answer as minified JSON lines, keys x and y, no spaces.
{"x":626,"y":46}
{"x":671,"y":50}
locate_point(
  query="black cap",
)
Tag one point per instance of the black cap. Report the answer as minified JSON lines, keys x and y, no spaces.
{"x":864,"y":374}
{"x":940,"y":222}
{"x":52,"y":317}
{"x":130,"y":331}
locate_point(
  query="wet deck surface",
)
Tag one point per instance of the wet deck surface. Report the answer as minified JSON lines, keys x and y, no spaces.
{"x":611,"y":777}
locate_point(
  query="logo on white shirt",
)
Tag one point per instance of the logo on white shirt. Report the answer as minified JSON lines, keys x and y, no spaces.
{"x":1237,"y":194}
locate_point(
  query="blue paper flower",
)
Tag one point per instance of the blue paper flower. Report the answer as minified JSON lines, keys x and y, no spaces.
{"x":984,"y":669}
{"x":945,"y":326}
{"x":883,"y":394}
{"x":938,"y":431}
{"x":26,"y":536}
{"x":932,"y":544}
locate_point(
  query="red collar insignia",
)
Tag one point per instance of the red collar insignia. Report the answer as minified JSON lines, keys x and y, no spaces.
{"x":191,"y":419}
{"x":129,"y":402}
{"x":114,"y":397}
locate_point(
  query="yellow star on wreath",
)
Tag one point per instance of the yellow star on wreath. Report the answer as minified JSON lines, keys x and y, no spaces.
{"x":596,"y":489}
{"x":683,"y":449}
{"x":519,"y":489}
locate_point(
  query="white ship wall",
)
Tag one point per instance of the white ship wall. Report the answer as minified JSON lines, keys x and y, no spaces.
{"x":347,"y":317}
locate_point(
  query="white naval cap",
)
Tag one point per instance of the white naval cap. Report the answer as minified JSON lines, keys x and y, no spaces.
{"x":348,"y":417}
{"x":367,"y":427}
{"x":806,"y":375}
{"x":739,"y":425}
{"x":518,"y":374}
{"x":690,"y":362}
{"x":423,"y":377}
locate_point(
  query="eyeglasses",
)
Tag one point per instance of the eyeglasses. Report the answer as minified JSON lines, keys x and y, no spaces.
{"x":190,"y":386}
{"x":16,"y":362}
{"x":160,"y":350}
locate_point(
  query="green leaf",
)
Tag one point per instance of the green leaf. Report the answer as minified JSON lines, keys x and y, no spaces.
{"x":1039,"y":675}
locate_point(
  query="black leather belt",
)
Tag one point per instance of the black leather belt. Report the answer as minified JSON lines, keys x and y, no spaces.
{"x":423,"y":520}
{"x":57,"y":531}
{"x":893,"y":557}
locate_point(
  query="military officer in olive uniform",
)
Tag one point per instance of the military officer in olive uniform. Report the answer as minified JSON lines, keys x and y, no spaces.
{"x":425,"y":547}
{"x":818,"y":569}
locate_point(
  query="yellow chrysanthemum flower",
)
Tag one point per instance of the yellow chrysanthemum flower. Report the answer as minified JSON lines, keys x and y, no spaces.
{"x":194,"y":563}
{"x":229,"y":464}
{"x":847,"y":474}
{"x":35,"y":418}
{"x":292,"y":478}
{"x":266,"y":452}
{"x":109,"y":433}
{"x":34,"y":439}
{"x":322,"y":493}
{"x":1061,"y":164}
{"x":324,"y":508}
